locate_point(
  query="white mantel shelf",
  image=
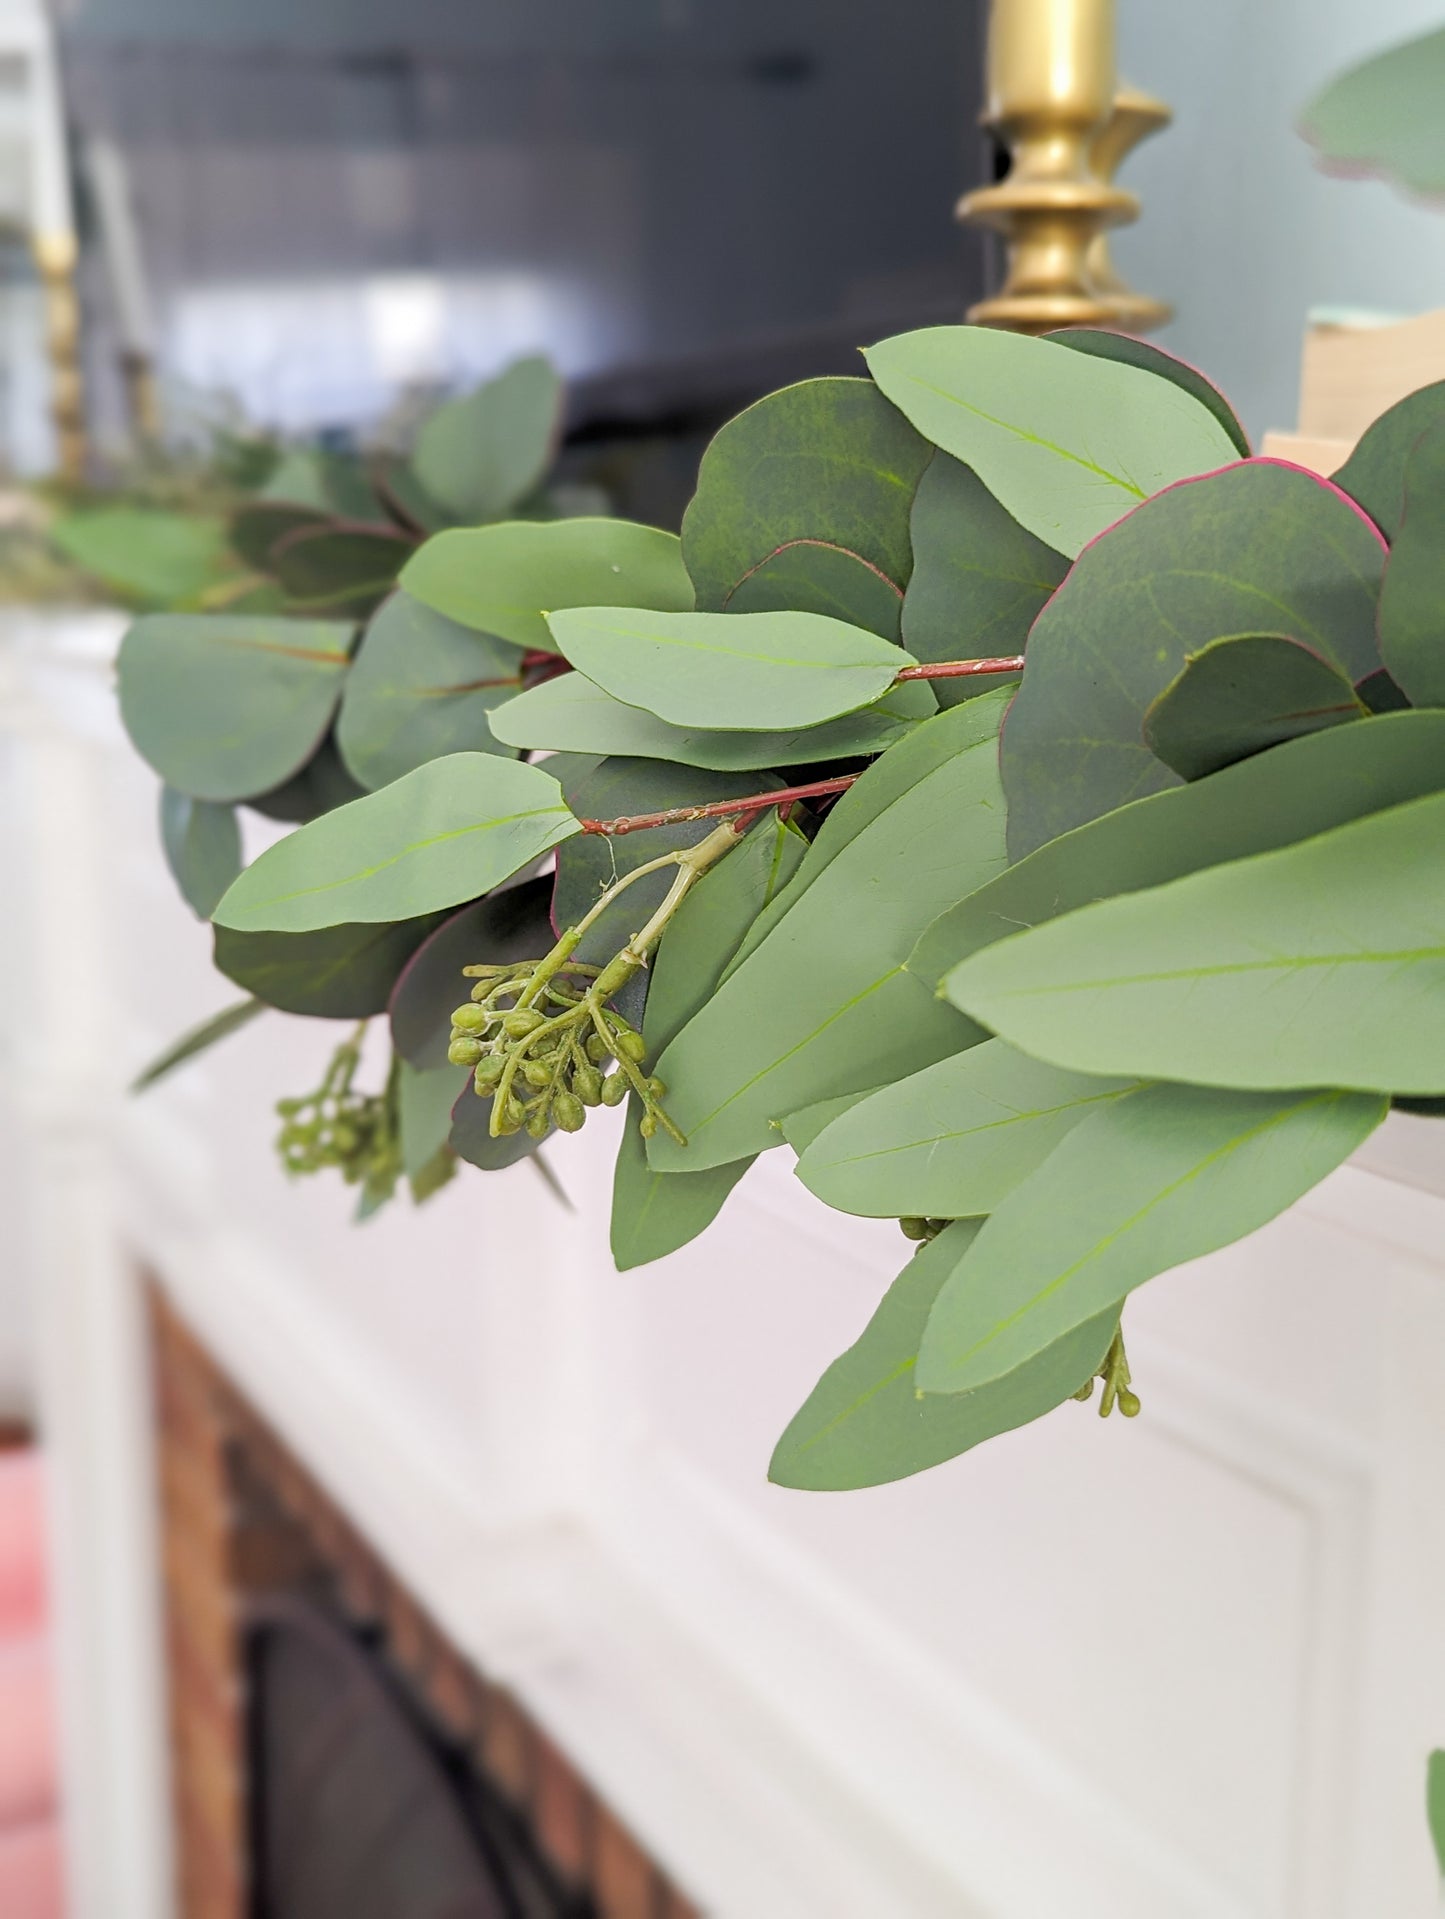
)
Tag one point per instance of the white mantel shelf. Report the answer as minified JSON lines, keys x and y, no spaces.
{"x":1187,"y":1668}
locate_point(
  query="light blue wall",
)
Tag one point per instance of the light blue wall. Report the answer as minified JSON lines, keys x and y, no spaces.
{"x":1240,"y":230}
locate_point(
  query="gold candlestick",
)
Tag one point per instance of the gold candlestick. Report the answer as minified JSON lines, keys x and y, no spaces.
{"x":1136,"y":117}
{"x":55,"y":259}
{"x":1051,"y":100}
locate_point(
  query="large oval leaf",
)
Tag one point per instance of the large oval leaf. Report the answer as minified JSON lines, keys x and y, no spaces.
{"x":339,"y":569}
{"x":827,"y":462}
{"x":1240,"y":695}
{"x":1129,"y":351}
{"x":1302,"y":788}
{"x":865,"y":1423}
{"x":1412,"y":642}
{"x":259,"y":526}
{"x":1164,"y":1175}
{"x":1261,"y":548}
{"x":421,"y":687}
{"x":1320,"y":965}
{"x":481,"y":454}
{"x":951,"y":1141}
{"x":979,"y":579}
{"x":729,"y":672}
{"x":504,"y":580}
{"x":1383,"y":116}
{"x":1374,"y":474}
{"x":202,"y":844}
{"x":513,"y":923}
{"x":448,"y":832}
{"x":225,"y":707}
{"x":146,"y":556}
{"x":812,"y":576}
{"x":570,"y":714}
{"x":823,"y":1004}
{"x":653,"y":1214}
{"x":1067,"y":442}
{"x":340,"y":972}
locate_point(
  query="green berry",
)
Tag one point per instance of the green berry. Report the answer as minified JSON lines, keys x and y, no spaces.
{"x":647,"y":1126}
{"x":914,"y":1228}
{"x":536,"y":1072}
{"x":631,"y":1045}
{"x":538,"y":1123}
{"x":489,"y":1070}
{"x":517,"y":1025}
{"x":465,"y":1052}
{"x":657,"y":1089}
{"x":587,"y":1085}
{"x":569,"y":1112}
{"x":614,"y":1089}
{"x":470,"y":1018}
{"x":598,"y":1051}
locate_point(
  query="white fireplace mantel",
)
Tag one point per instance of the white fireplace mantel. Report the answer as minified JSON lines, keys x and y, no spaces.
{"x":1186,"y":1668}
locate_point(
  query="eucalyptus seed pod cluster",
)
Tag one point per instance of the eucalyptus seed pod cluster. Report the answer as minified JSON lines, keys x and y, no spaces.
{"x":338,"y":1126}
{"x":545,"y":1045}
{"x":922,"y":1230}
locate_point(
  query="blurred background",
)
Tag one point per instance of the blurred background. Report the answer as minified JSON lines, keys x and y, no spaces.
{"x":488,"y":1572}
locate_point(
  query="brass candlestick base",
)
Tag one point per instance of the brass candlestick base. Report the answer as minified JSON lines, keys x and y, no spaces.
{"x":1052,"y":102}
{"x":55,"y":259}
{"x":1136,"y":117}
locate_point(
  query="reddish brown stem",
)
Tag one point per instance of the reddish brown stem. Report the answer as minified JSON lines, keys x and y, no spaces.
{"x":719,"y":809}
{"x":962,"y":669}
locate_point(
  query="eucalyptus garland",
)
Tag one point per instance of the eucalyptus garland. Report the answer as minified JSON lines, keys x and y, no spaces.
{"x":1007,"y":794}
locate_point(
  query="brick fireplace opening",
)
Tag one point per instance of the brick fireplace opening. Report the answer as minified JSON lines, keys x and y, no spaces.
{"x":328,"y":1742}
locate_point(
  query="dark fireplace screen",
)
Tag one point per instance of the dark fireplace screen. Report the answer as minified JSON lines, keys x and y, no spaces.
{"x":359,"y":1809}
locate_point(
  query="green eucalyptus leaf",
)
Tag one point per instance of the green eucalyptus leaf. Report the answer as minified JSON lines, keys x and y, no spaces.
{"x":513,"y":923}
{"x":1066,"y":442}
{"x":322,"y":784}
{"x":448,"y":832}
{"x":729,"y":672}
{"x":1161,"y":1176}
{"x":478,"y":456}
{"x":1383,"y":116}
{"x":421,"y":687}
{"x":407,"y":502}
{"x":1260,"y":548}
{"x":218,"y":1027}
{"x":504,"y":580}
{"x":260,"y":526}
{"x":570,"y":714}
{"x":800,"y":1129}
{"x":1374,"y":474}
{"x":828,"y":463}
{"x":339,"y":569}
{"x":653,"y":1214}
{"x":202,"y":845}
{"x":149,"y":557}
{"x":823,"y":1005}
{"x":1129,"y":351}
{"x":224,"y":707}
{"x":1240,"y":695}
{"x":1302,"y":788}
{"x":891,"y":778}
{"x":979,"y":579}
{"x":866,"y":1424}
{"x":1435,"y":1804}
{"x":340,"y":972}
{"x":424,"y":1104}
{"x":814,"y":576}
{"x":471,"y":1139}
{"x":1322,"y":964}
{"x":1412,"y":636}
{"x":949,"y":1142}
{"x":329,"y":483}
